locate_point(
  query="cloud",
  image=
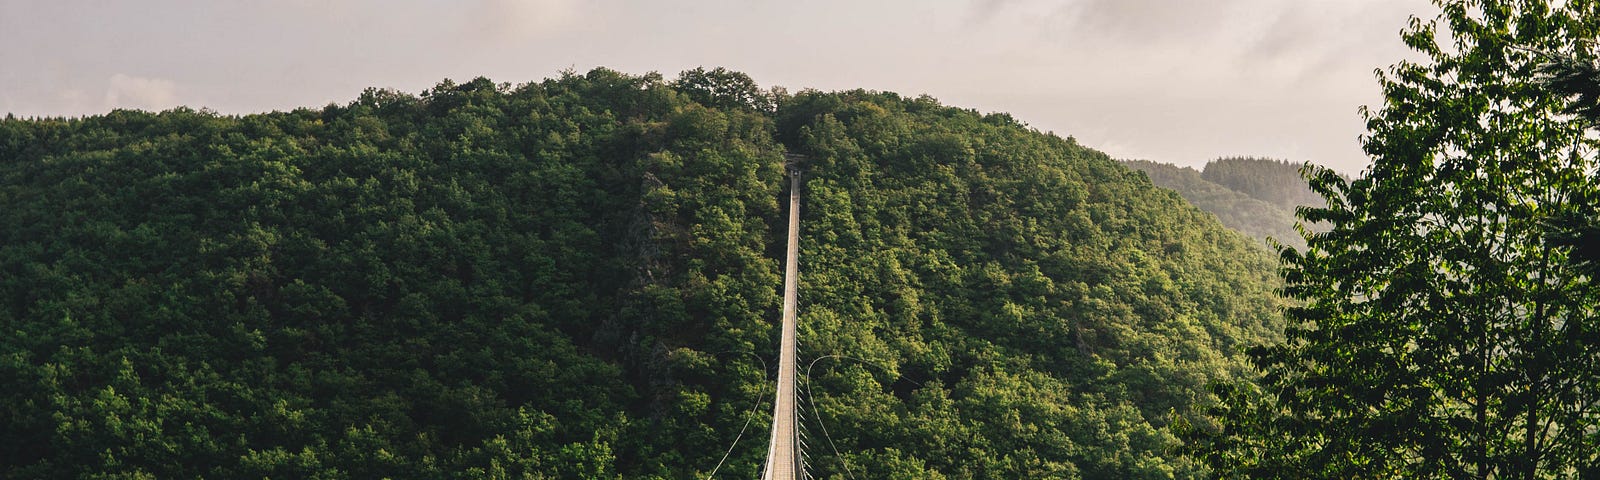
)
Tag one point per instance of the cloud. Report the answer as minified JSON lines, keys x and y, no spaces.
{"x":1317,"y":36}
{"x":983,"y":10}
{"x":1247,"y":30}
{"x":1184,"y":81}
{"x":127,"y":91}
{"x":503,"y":20}
{"x":1151,"y":21}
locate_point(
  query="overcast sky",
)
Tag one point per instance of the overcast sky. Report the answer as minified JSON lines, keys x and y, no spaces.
{"x":1180,"y":81}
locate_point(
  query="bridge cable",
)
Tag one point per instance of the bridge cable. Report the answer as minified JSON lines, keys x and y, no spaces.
{"x":748,"y":417}
{"x":818,"y":412}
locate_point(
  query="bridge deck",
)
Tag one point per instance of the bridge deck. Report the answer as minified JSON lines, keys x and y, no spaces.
{"x":783,"y":450}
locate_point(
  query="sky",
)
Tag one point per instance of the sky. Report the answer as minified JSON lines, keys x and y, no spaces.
{"x":1176,"y":81}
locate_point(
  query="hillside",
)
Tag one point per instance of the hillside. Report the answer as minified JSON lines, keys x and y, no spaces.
{"x":1256,"y":197}
{"x":1277,"y":182}
{"x":578,"y":278}
{"x":1251,"y":216}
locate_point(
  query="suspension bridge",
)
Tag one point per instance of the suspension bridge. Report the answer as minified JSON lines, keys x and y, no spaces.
{"x":785,"y":460}
{"x":785,"y":448}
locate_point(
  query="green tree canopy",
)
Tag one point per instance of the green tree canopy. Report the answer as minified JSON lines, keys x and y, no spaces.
{"x":577,"y":278}
{"x":1252,"y":216}
{"x":722,"y":88}
{"x":1441,"y":334}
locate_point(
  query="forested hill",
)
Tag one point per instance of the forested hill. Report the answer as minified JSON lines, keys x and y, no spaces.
{"x":1256,"y":196}
{"x":1277,"y":182}
{"x":578,"y":277}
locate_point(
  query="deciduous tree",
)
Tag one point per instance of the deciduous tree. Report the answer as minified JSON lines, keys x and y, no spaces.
{"x":1441,"y":334}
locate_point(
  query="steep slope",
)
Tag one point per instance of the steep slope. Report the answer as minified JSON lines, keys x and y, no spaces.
{"x":478,"y":280}
{"x":1021,"y":306}
{"x":577,"y":278}
{"x":1254,"y":217}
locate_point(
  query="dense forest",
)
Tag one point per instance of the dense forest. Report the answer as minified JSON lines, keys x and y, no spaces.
{"x":1234,"y":189}
{"x":578,"y":278}
{"x":1446,"y":325}
{"x":1278,"y":182}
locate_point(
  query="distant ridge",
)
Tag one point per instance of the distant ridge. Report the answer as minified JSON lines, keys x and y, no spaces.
{"x":1254,"y":196}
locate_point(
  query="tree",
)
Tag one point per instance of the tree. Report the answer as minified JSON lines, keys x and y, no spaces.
{"x":1576,"y":77}
{"x":575,"y":278}
{"x":722,"y":88}
{"x":1440,"y":334}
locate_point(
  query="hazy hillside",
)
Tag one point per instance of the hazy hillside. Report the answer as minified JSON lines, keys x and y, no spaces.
{"x":576,"y":278}
{"x":1273,"y":181}
{"x":1257,"y":197}
{"x":1253,"y":217}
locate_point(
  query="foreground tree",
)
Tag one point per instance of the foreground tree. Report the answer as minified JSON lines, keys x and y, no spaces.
{"x":1576,"y":77}
{"x":1441,"y":333}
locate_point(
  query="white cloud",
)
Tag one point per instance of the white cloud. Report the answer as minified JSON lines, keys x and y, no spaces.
{"x":1152,"y":21}
{"x":128,"y":91}
{"x":504,"y":20}
{"x":1184,"y":81}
